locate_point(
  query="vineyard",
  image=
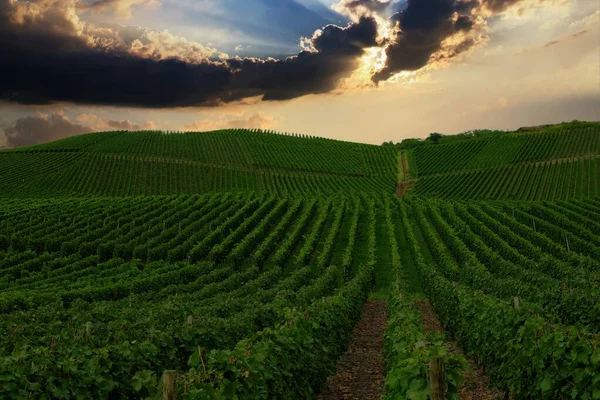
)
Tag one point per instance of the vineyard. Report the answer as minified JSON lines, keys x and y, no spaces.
{"x":155,"y":163}
{"x":552,"y":164}
{"x":241,"y":261}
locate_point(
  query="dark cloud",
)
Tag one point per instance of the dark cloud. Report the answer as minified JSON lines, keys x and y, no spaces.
{"x":47,"y":54}
{"x":424,"y":25}
{"x":466,"y":6}
{"x":41,"y":128}
{"x":59,"y":60}
{"x":122,"y":125}
{"x":338,"y":51}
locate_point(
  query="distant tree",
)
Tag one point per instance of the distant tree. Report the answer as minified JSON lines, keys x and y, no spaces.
{"x":410,"y":143}
{"x":435,"y":137}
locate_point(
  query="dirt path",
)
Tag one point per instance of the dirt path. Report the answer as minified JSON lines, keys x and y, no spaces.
{"x":404,"y":187}
{"x":476,"y":385}
{"x":360,"y":372}
{"x":404,"y":158}
{"x":405,"y":182}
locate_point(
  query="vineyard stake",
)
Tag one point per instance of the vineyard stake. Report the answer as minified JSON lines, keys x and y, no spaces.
{"x":516,"y":302}
{"x":169,"y":392}
{"x":436,"y":376}
{"x":567,"y":239}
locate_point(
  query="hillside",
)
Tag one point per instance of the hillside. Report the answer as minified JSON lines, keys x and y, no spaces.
{"x":246,"y":262}
{"x":146,"y":163}
{"x":556,"y":162}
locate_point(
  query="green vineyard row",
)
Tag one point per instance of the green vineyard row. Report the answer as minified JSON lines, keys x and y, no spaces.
{"x":554,"y":143}
{"x":569,"y":179}
{"x":155,"y":163}
{"x":100,"y":295}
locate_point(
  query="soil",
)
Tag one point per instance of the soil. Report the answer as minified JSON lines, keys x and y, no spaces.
{"x":476,"y":385}
{"x":403,"y":187}
{"x":360,"y":372}
{"x":404,"y":159}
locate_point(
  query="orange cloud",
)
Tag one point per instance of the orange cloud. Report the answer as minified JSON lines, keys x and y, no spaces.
{"x":256,"y":120}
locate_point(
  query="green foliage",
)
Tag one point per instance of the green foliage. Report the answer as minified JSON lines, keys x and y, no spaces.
{"x":156,"y":163}
{"x":262,"y":285}
{"x":289,"y":361}
{"x":408,"y":351}
{"x":527,"y":351}
{"x":408,"y":347}
{"x":79,"y":321}
{"x":490,"y":149}
{"x":435,"y":137}
{"x":525,"y":181}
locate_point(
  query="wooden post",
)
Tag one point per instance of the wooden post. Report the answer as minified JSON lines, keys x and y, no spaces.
{"x":190,"y":319}
{"x":169,"y":392}
{"x":516,"y":302}
{"x":436,"y":377}
{"x":88,"y":328}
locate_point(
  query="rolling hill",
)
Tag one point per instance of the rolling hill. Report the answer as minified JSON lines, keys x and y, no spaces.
{"x":153,"y":163}
{"x":242,"y":260}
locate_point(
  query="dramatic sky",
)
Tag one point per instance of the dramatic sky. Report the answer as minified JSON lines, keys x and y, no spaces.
{"x":360,"y":70}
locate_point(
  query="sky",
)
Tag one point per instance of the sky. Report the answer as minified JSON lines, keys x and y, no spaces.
{"x":359,"y":70}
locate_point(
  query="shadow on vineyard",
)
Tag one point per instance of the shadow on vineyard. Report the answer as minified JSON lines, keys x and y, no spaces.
{"x":236,"y":264}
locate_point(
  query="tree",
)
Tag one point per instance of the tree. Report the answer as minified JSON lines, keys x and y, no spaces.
{"x":435,"y":137}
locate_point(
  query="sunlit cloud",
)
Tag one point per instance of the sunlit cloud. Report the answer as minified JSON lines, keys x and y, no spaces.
{"x":121,"y":9}
{"x":256,"y":120}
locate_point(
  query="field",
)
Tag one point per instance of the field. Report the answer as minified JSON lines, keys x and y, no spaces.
{"x":244,"y":259}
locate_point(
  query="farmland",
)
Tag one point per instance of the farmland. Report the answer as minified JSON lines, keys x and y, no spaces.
{"x":243,"y":260}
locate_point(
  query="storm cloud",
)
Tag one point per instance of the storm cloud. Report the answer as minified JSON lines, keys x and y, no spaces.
{"x":48,"y":54}
{"x":424,"y":25}
{"x":41,"y":128}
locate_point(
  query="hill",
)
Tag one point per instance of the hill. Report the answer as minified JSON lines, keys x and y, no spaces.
{"x":146,"y":163}
{"x":244,"y":260}
{"x":555,"y":162}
